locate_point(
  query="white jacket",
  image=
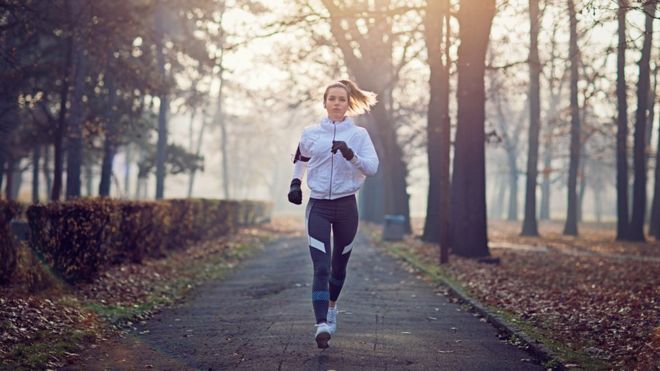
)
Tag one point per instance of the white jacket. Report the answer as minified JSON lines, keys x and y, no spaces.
{"x":331,"y":176}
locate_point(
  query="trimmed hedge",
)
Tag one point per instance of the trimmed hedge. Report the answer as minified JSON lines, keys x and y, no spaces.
{"x":79,"y":238}
{"x":8,"y":248}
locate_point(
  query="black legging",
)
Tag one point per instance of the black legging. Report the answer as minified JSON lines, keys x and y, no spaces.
{"x":330,"y":268}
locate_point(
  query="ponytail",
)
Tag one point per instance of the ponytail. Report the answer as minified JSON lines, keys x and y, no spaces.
{"x":359,"y":101}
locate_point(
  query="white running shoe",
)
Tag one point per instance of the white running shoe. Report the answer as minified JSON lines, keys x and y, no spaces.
{"x":332,"y":319}
{"x":322,"y":335}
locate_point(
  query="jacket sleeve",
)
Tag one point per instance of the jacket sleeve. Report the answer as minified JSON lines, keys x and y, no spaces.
{"x":366,"y":159}
{"x":300,"y":160}
{"x":299,"y":168}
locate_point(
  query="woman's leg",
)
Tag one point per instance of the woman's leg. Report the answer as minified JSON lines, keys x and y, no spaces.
{"x":318,"y":233}
{"x":344,"y":229}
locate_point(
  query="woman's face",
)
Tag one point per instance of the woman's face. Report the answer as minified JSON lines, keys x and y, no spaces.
{"x":336,"y":103}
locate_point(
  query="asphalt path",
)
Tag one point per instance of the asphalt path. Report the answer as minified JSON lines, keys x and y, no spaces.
{"x":261,"y":318}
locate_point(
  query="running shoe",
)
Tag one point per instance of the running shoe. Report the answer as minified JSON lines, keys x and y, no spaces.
{"x":322,"y":335}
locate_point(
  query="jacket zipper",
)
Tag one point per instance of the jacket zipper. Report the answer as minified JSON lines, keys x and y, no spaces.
{"x":332,"y":159}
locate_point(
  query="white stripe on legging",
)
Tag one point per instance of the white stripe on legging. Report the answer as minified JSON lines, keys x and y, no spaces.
{"x":313,"y":242}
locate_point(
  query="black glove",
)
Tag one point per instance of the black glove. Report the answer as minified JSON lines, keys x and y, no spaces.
{"x":295,"y":193}
{"x":343,"y":148}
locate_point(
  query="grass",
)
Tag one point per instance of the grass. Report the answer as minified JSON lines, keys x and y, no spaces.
{"x":44,"y":347}
{"x":438,"y":275}
{"x":170,"y":291}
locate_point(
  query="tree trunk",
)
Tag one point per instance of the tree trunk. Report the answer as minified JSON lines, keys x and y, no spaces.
{"x":571,"y":228}
{"x":110,"y":141}
{"x":529,"y":223}
{"x":58,"y":145}
{"x":46,"y":170}
{"x":373,"y":70}
{"x":598,"y":204}
{"x":655,"y":227}
{"x":109,"y":150}
{"x":17,"y":179}
{"x":639,"y":154}
{"x":7,"y":125}
{"x":78,"y":11}
{"x":622,"y":129}
{"x":512,"y":214}
{"x":545,"y":185}
{"x":371,"y":198}
{"x":161,"y":149}
{"x":9,"y":182}
{"x":470,"y":231}
{"x":224,"y":151}
{"x":652,"y":96}
{"x":438,"y":124}
{"x":2,"y":170}
{"x":36,"y":158}
{"x":583,"y":187}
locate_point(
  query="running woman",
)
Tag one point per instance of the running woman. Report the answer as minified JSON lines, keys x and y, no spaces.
{"x":338,"y":156}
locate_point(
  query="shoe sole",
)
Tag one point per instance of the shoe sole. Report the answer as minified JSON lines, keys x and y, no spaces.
{"x":322,"y":340}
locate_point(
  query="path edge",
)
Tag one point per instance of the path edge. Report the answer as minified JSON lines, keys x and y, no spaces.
{"x":535,"y":347}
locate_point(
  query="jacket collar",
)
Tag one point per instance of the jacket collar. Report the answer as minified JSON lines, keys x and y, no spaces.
{"x":346,"y":124}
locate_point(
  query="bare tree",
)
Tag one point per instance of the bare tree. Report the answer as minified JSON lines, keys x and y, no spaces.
{"x":622,"y":128}
{"x":639,"y":153}
{"x":571,"y":228}
{"x":470,"y":230}
{"x":79,"y":12}
{"x":529,"y":227}
{"x":436,"y":228}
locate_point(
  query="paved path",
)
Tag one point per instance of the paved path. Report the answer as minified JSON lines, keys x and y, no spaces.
{"x":260,"y":318}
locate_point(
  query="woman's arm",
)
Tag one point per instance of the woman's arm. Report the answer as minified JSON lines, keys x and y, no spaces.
{"x":365,"y":157}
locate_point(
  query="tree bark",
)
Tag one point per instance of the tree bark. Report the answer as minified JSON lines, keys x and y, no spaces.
{"x":653,"y":220}
{"x":544,"y":213}
{"x":161,"y":149}
{"x":529,"y":227}
{"x":470,"y":231}
{"x":571,"y":228}
{"x":111,"y":140}
{"x":7,"y":125}
{"x":512,"y":214}
{"x":583,"y":186}
{"x":636,"y":227}
{"x":58,"y":145}
{"x":655,"y":227}
{"x":46,"y":169}
{"x":622,"y":129}
{"x":438,"y":126}
{"x":36,"y":159}
{"x":79,"y":11}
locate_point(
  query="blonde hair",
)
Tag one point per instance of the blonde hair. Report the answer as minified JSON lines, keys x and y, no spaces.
{"x":359,"y":101}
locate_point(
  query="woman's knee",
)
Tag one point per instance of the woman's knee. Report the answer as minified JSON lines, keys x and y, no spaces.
{"x":321,"y":269}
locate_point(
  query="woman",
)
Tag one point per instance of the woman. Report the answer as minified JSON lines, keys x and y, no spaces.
{"x":338,"y":156}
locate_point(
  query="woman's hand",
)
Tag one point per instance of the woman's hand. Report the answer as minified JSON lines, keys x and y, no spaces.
{"x":343,"y":148}
{"x":295,"y":193}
